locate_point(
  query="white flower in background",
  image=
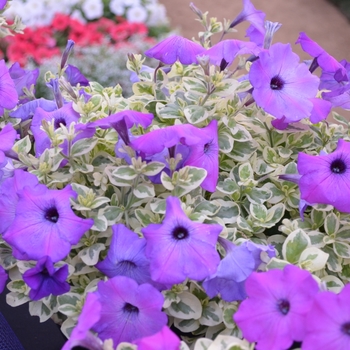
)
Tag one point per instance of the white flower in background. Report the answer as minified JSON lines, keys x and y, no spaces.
{"x":131,"y":2}
{"x":156,"y":15}
{"x":76,"y":14}
{"x":117,"y":7}
{"x":92,"y":9}
{"x":136,"y":14}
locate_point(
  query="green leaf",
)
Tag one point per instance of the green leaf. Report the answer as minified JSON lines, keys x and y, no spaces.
{"x":100,"y":223}
{"x":23,"y":145}
{"x":189,"y":178}
{"x":228,"y":212}
{"x":125,"y":172}
{"x":334,"y":284}
{"x":83,"y":146}
{"x":195,"y":85}
{"x":195,"y":114}
{"x":296,"y":242}
{"x":228,"y":186}
{"x":207,"y":208}
{"x":331,"y":224}
{"x":228,"y":317}
{"x":166,"y":181}
{"x":275,"y":263}
{"x":242,"y":151}
{"x":144,"y":190}
{"x":258,"y":211}
{"x":169,"y":111}
{"x":343,"y":234}
{"x":225,"y":142}
{"x":342,"y":249}
{"x":334,"y":261}
{"x":258,"y":195}
{"x":145,"y":217}
{"x":313,"y":259}
{"x":188,"y":308}
{"x":143,"y":88}
{"x":153,"y":168}
{"x":90,"y":255}
{"x":211,"y":314}
{"x":245,"y":172}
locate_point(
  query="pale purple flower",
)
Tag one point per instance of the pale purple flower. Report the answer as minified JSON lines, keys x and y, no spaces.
{"x":128,"y":311}
{"x":179,"y":248}
{"x":328,"y":321}
{"x":274,"y":314}
{"x":75,"y":77}
{"x":9,"y":195}
{"x":233,"y":270}
{"x":165,"y":339}
{"x":27,"y":110}
{"x":45,"y":279}
{"x":323,"y":59}
{"x":205,"y":154}
{"x":224,"y":52}
{"x":282,"y":86}
{"x":81,"y":336}
{"x":339,"y":97}
{"x":126,"y":256}
{"x":2,"y":4}
{"x":23,"y":79}
{"x":67,"y":51}
{"x":3,"y":279}
{"x":325,"y":179}
{"x":8,"y":93}
{"x":45,"y":224}
{"x":176,"y":48}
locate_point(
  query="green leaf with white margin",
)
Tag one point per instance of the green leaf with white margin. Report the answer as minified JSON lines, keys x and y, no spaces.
{"x":166,"y":180}
{"x":228,"y":186}
{"x":245,"y":172}
{"x":296,"y":242}
{"x":334,"y":261}
{"x":258,"y":195}
{"x":122,"y":345}
{"x":342,"y":249}
{"x":186,"y":326}
{"x":153,"y":168}
{"x":228,"y":316}
{"x":275,"y":263}
{"x":317,"y":217}
{"x":143,"y":88}
{"x":158,"y":206}
{"x":188,"y":308}
{"x":112,"y":214}
{"x":195,"y":114}
{"x":262,"y":168}
{"x":203,"y":344}
{"x":331,"y":224}
{"x":274,"y":215}
{"x":227,"y":342}
{"x":242,"y":151}
{"x":333,"y":284}
{"x":240,"y":133}
{"x":189,"y":178}
{"x":195,"y":85}
{"x":169,"y":111}
{"x":277,"y":241}
{"x":144,"y":190}
{"x":125,"y":172}
{"x":229,"y":211}
{"x":343,"y":234}
{"x":16,"y":299}
{"x":225,"y":88}
{"x":225,"y":142}
{"x":277,"y":194}
{"x":100,"y":222}
{"x":23,"y":145}
{"x":68,"y":303}
{"x":90,"y":255}
{"x":208,"y":208}
{"x":144,"y":216}
{"x":82,"y":147}
{"x":258,"y":212}
{"x":317,"y":238}
{"x":38,"y":308}
{"x":313,"y":259}
{"x":211,"y":315}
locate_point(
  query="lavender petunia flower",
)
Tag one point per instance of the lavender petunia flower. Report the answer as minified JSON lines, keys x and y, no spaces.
{"x":3,"y":279}
{"x":238,"y":263}
{"x":9,"y":196}
{"x":64,"y":115}
{"x":128,"y":311}
{"x":278,"y":302}
{"x":27,"y":110}
{"x":8,"y":93}
{"x":45,"y":224}
{"x":205,"y":155}
{"x":75,"y":77}
{"x":8,"y":135}
{"x":282,"y":86}
{"x":165,"y":339}
{"x":339,"y":97}
{"x":126,"y":256}
{"x":2,"y":4}
{"x":176,"y":48}
{"x":67,"y":51}
{"x":224,"y":52}
{"x":23,"y":79}
{"x":89,"y":316}
{"x":179,"y":248}
{"x":321,"y":173}
{"x":44,"y":279}
{"x":328,"y":321}
{"x":327,"y":62}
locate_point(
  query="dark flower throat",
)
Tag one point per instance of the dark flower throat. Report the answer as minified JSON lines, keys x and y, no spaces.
{"x":276,"y":83}
{"x":338,"y":166}
{"x":51,"y":214}
{"x":283,"y":306}
{"x":180,"y":233}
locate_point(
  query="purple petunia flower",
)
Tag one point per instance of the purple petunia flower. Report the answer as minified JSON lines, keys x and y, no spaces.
{"x":224,"y":52}
{"x":321,"y":173}
{"x":282,"y":86}
{"x":75,"y":77}
{"x":3,"y":279}
{"x":45,"y":224}
{"x":328,"y":321}
{"x":323,"y":59}
{"x":176,"y":48}
{"x":128,"y":311}
{"x":23,"y":79}
{"x":44,"y":279}
{"x":8,"y":93}
{"x":179,"y":248}
{"x":27,"y":110}
{"x":9,"y":196}
{"x":89,"y":316}
{"x":2,"y":4}
{"x":64,"y":115}
{"x":165,"y":339}
{"x":205,"y":155}
{"x":238,"y":263}
{"x":126,"y":256}
{"x":275,"y":312}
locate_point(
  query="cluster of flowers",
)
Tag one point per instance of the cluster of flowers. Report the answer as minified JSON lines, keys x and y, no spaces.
{"x":41,"y":43}
{"x":41,"y":12}
{"x":126,"y":219}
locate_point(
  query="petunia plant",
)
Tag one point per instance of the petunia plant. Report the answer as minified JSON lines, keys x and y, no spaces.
{"x":212,"y":200}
